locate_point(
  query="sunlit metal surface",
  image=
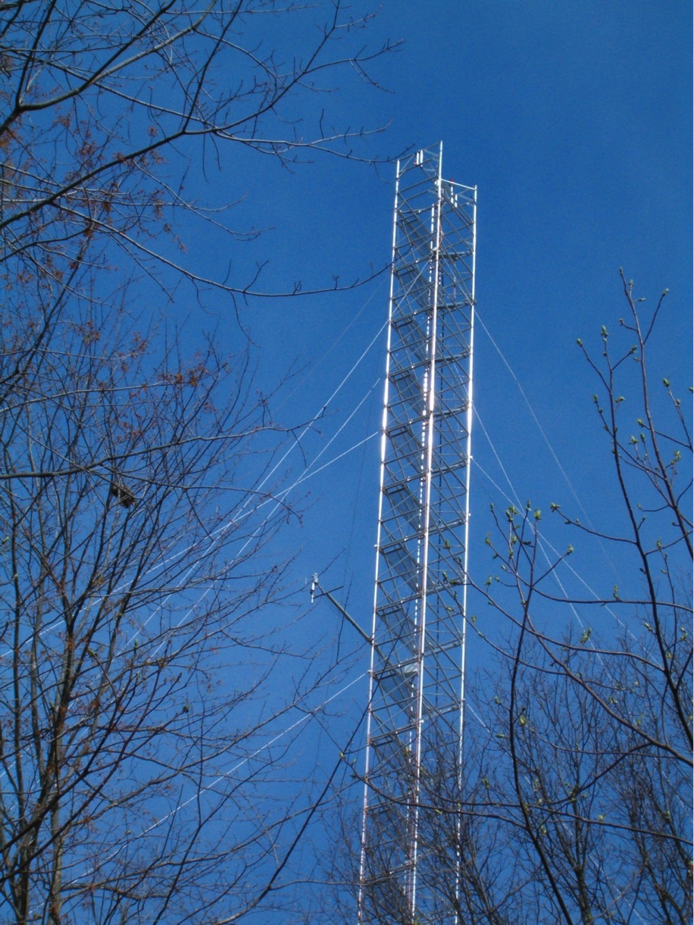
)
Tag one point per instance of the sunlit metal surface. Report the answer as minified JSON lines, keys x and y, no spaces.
{"x":415,"y":719}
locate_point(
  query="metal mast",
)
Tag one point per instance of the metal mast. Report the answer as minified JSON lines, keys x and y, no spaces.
{"x":415,"y":718}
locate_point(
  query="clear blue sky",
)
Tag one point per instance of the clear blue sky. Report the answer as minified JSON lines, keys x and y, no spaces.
{"x":574,"y":121}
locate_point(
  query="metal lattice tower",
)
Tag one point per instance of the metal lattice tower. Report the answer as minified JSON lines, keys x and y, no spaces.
{"x":415,"y":718}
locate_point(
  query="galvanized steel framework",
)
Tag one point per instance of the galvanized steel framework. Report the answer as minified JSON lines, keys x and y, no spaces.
{"x":415,"y":719}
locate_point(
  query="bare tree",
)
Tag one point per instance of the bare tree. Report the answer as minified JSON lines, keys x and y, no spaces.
{"x":135,"y":658}
{"x":593,"y":730}
{"x":138,"y":630}
{"x":106,"y":109}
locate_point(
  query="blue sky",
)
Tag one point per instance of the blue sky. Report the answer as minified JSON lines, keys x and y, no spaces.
{"x":574,"y":121}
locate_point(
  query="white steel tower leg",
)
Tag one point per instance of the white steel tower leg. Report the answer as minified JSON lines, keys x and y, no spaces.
{"x":415,"y":718}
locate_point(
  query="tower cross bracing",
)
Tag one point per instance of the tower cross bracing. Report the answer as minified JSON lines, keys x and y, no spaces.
{"x":415,"y":715}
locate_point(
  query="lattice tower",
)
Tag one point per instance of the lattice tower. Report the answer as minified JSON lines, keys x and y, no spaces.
{"x":415,"y":718}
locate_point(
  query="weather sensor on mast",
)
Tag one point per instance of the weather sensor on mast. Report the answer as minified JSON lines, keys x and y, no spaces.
{"x":415,"y":712}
